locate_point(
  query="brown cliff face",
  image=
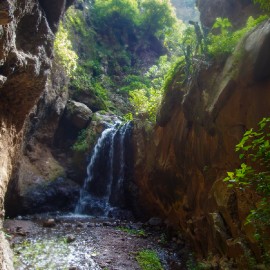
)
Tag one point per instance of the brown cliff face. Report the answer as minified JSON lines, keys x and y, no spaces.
{"x":180,"y":167}
{"x":26,"y":42}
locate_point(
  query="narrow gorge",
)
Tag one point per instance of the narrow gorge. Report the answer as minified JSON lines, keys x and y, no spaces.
{"x":134,"y":134}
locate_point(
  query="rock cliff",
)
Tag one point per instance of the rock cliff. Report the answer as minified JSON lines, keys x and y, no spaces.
{"x":180,"y":167}
{"x":26,"y":50}
{"x":237,"y":11}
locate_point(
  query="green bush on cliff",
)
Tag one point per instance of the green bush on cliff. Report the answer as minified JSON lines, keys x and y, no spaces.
{"x":254,"y":174}
{"x":64,"y":53}
{"x":225,"y":42}
{"x":146,"y":98}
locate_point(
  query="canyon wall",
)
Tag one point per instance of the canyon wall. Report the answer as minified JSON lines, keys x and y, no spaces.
{"x":26,"y":49}
{"x":180,"y":166}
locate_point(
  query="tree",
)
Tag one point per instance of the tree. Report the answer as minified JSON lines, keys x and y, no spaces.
{"x":157,"y":16}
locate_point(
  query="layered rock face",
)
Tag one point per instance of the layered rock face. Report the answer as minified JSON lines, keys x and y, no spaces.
{"x":180,"y":167}
{"x":26,"y":42}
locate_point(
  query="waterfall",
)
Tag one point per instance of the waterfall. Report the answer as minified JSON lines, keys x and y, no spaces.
{"x":103,"y":188}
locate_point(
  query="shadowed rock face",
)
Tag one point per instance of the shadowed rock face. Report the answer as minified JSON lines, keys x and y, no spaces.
{"x":236,"y":10}
{"x":26,"y":42}
{"x":180,"y":167}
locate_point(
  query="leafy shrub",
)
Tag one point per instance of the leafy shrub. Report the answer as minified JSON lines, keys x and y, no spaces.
{"x":254,"y":174}
{"x":64,"y":52}
{"x":157,"y":17}
{"x":148,"y":260}
{"x":138,"y":232}
{"x":179,"y":64}
{"x":224,"y":43}
{"x":81,"y":144}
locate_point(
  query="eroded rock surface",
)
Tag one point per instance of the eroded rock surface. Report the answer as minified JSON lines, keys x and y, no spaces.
{"x":26,"y":42}
{"x":180,"y":167}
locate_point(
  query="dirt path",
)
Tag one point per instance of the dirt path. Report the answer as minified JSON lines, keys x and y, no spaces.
{"x":83,"y":244}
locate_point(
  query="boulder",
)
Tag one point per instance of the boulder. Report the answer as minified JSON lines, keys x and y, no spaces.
{"x":89,"y":98}
{"x":58,"y":195}
{"x":78,"y":114}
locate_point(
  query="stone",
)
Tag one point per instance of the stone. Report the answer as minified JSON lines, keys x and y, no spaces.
{"x":60,"y":194}
{"x":2,"y":80}
{"x":78,"y":114}
{"x":6,"y":12}
{"x":70,"y":238}
{"x":73,"y":268}
{"x":49,"y":223}
{"x":79,"y":224}
{"x":87,"y":97}
{"x":236,"y":11}
{"x":155,"y":221}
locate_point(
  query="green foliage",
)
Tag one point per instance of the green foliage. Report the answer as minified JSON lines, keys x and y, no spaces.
{"x":81,"y":144}
{"x":157,"y":16}
{"x":109,"y":10}
{"x":139,"y":100}
{"x":157,"y":73}
{"x":64,"y":53}
{"x":128,"y":117}
{"x":175,"y":68}
{"x":148,"y":260}
{"x":174,"y":39}
{"x":146,"y":99}
{"x":223,"y":24}
{"x":224,"y":43}
{"x":42,"y":254}
{"x":108,"y":35}
{"x":254,"y":173}
{"x":133,"y":82}
{"x":146,"y":102}
{"x":264,"y":4}
{"x":140,"y":232}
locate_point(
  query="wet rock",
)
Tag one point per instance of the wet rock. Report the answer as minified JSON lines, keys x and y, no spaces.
{"x":71,"y":238}
{"x":60,"y":194}
{"x":107,"y":224}
{"x":49,"y":223}
{"x":79,"y":225}
{"x":2,"y":80}
{"x":73,"y":268}
{"x":155,"y":222}
{"x":6,"y":15}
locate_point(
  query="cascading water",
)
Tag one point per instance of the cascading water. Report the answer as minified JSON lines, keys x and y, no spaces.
{"x":103,"y":189}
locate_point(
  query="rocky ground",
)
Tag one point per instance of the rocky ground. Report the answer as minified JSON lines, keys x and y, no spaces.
{"x":80,"y":243}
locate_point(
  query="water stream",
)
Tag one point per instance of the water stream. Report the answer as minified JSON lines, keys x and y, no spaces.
{"x":103,"y":189}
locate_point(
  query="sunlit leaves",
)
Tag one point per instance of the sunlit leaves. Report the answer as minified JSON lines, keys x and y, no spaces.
{"x":224,"y":43}
{"x":223,"y":24}
{"x":146,"y":102}
{"x":64,"y":52}
{"x":157,"y":16}
{"x":254,"y":172}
